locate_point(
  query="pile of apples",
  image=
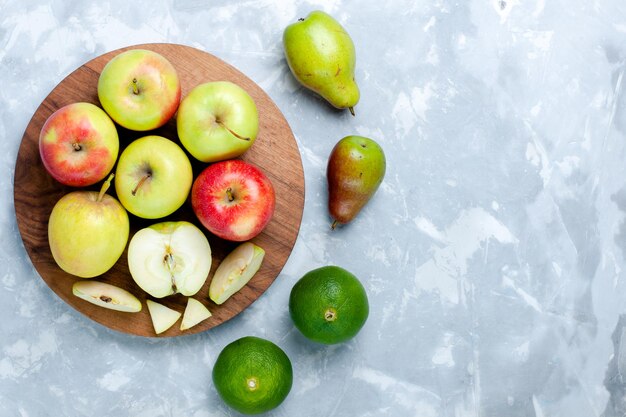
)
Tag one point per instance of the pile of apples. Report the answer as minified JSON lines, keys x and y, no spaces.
{"x":88,"y":231}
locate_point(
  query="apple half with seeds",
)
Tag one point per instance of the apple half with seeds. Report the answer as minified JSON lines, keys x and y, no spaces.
{"x":107,"y":296}
{"x":237,"y":268}
{"x":168,"y":258}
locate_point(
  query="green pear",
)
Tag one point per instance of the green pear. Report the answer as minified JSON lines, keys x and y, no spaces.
{"x":356,"y":168}
{"x":321,"y":56}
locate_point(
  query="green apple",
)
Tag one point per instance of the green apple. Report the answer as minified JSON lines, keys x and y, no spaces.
{"x":87,"y":232}
{"x":195,"y":312}
{"x":139,"y":89}
{"x":237,"y":268}
{"x":217,"y":121}
{"x":168,"y":258}
{"x":153,"y":177}
{"x":162,"y":317}
{"x":107,"y":296}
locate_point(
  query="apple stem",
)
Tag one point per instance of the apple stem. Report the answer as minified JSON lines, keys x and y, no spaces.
{"x":233,"y":133}
{"x":105,"y":187}
{"x":140,"y":183}
{"x":229,"y":193}
{"x":76,"y":146}
{"x":351,"y":110}
{"x":335,"y":223}
{"x":135,"y":87}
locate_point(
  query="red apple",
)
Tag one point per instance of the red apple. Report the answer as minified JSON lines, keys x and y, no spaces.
{"x":79,"y":144}
{"x":233,"y":199}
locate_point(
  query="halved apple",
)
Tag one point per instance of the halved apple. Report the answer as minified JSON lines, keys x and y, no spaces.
{"x":195,"y":312}
{"x":162,"y":317}
{"x":107,"y":296}
{"x":237,"y":268}
{"x":168,"y":258}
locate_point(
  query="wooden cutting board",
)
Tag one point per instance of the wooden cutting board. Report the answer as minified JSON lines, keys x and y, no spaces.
{"x":275,"y":152}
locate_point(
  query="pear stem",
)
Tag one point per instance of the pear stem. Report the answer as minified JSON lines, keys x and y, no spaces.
{"x":335,"y":223}
{"x":140,"y":183}
{"x":135,"y":87}
{"x":231,"y":132}
{"x":105,"y":187}
{"x":351,"y":110}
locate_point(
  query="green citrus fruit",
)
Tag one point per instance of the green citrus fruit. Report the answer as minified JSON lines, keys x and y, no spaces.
{"x":328,"y":305}
{"x":252,"y":375}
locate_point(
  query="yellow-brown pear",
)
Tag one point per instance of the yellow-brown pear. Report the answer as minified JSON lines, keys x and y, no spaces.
{"x":356,"y":167}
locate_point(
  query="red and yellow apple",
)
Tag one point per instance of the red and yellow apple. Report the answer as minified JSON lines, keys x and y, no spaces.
{"x":233,"y":199}
{"x":139,"y":89}
{"x":78,"y":144}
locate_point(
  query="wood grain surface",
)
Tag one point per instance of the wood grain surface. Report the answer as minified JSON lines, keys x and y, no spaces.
{"x":275,"y":152}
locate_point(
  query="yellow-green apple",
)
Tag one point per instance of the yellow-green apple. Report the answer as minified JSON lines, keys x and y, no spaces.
{"x":139,"y":89}
{"x":153,"y":177}
{"x":162,"y":316}
{"x":87,"y":232}
{"x":78,"y":144}
{"x":107,"y":296}
{"x":237,"y":268}
{"x":168,"y":258}
{"x":195,"y":312}
{"x":233,"y":199}
{"x":217,"y":121}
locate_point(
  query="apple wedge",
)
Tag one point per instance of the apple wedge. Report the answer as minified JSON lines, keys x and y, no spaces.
{"x":237,"y":268}
{"x":195,"y":312}
{"x":107,"y":296}
{"x":162,"y":317}
{"x":168,"y":258}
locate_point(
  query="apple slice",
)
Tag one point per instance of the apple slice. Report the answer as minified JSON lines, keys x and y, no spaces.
{"x":237,"y":268}
{"x":195,"y":312}
{"x":107,"y":296}
{"x":168,"y":258}
{"x":162,"y":317}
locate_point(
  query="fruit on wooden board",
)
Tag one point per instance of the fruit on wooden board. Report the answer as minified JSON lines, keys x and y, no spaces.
{"x":87,"y":232}
{"x":233,"y":199}
{"x":139,"y":89}
{"x":107,"y":296}
{"x":169,"y":258}
{"x":153,"y":177}
{"x":217,"y":121}
{"x":79,"y":144}
{"x":237,"y":268}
